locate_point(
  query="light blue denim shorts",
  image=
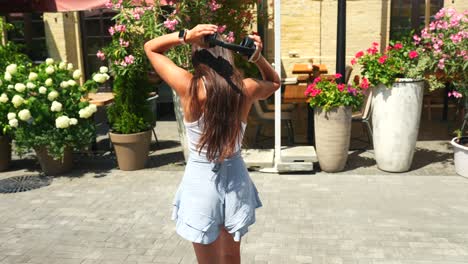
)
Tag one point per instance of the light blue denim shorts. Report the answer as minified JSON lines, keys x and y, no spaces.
{"x":215,"y":195}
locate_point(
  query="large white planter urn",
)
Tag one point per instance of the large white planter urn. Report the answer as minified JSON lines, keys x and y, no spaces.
{"x":396,"y":112}
{"x":460,"y":149}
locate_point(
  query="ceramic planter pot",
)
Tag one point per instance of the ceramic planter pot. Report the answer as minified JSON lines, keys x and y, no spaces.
{"x":5,"y":152}
{"x":132,"y":150}
{"x":460,"y":149}
{"x":51,"y":166}
{"x":396,"y":112}
{"x":332,"y":136}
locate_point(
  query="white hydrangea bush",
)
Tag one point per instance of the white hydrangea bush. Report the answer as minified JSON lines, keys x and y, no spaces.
{"x":46,"y":105}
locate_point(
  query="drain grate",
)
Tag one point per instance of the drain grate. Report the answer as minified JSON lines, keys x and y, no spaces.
{"x":24,"y":183}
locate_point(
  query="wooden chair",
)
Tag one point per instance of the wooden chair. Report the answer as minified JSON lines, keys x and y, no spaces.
{"x":268,"y":118}
{"x":363,"y":116}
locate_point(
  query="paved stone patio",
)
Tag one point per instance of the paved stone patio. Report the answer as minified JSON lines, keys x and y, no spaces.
{"x":98,"y":214}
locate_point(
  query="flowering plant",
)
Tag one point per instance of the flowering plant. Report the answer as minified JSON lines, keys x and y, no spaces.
{"x":399,"y":60}
{"x":134,"y":25}
{"x":327,"y":93}
{"x":46,"y":108}
{"x":445,"y":41}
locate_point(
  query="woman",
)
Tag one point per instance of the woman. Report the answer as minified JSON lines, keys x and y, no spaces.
{"x":216,"y":200}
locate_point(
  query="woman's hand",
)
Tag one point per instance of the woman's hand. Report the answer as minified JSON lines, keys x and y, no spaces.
{"x":259,"y":46}
{"x":196,"y":34}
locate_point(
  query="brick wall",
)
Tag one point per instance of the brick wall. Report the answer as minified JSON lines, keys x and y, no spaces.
{"x":308,"y":29}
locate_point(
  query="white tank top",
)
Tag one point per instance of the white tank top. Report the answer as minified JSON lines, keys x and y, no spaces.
{"x":195,"y":130}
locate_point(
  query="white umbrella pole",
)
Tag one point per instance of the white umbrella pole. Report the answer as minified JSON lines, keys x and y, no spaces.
{"x":278,"y":92}
{"x":277,"y":150}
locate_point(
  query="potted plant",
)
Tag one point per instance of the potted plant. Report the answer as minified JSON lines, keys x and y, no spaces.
{"x":49,"y":113}
{"x":130,"y":115}
{"x":397,"y":74}
{"x":134,"y":25}
{"x":445,"y":43}
{"x":9,"y":53}
{"x":333,"y":104}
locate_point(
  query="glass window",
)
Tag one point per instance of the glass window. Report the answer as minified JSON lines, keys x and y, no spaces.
{"x":409,"y":15}
{"x":29,"y":31}
{"x":95,"y":36}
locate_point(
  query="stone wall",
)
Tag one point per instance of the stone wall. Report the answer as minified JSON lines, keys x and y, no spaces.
{"x":63,"y":37}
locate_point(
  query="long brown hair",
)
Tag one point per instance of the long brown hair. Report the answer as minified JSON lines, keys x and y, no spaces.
{"x":224,"y":100}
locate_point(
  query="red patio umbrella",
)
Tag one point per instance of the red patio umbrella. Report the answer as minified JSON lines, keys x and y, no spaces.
{"x":7,"y":6}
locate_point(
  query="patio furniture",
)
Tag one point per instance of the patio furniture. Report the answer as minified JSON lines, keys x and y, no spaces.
{"x":268,"y":118}
{"x":312,"y":71}
{"x":153,"y":106}
{"x":363,"y":116}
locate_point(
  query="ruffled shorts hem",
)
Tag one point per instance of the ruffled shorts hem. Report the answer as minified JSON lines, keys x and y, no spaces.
{"x":203,"y":229}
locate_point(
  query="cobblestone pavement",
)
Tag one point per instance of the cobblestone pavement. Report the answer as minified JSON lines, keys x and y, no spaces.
{"x":98,"y":214}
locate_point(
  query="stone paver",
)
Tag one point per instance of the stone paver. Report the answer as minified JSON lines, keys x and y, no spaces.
{"x":124,"y":217}
{"x":98,"y":214}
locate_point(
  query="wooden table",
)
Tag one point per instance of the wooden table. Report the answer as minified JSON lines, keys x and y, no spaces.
{"x":101,"y":99}
{"x":295,"y":94}
{"x":312,"y":70}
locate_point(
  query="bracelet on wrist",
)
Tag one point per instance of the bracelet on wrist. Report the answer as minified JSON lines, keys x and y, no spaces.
{"x":256,"y":60}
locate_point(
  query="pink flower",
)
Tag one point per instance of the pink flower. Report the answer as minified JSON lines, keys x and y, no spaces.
{"x":213,"y":5}
{"x":413,"y":54}
{"x":100,"y":55}
{"x":338,"y":75}
{"x":364,"y":83}
{"x":123,"y":43}
{"x":128,"y":60}
{"x":137,"y":12}
{"x":440,"y":14}
{"x":416,"y":39}
{"x":441,"y":64}
{"x":359,"y":54}
{"x":372,"y":50}
{"x":230,"y":37}
{"x":111,"y":31}
{"x":120,"y":28}
{"x":383,"y":59}
{"x":109,"y":4}
{"x":455,"y":94}
{"x":171,"y":24}
{"x":375,"y":44}
{"x":398,"y":46}
{"x":352,"y":90}
{"x":312,"y":90}
{"x":425,"y":34}
{"x":341,"y":87}
{"x":316,"y":80}
{"x":353,"y":61}
{"x":456,"y":38}
{"x":221,"y":29}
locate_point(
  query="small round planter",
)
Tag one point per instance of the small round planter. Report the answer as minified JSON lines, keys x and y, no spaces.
{"x":131,"y":149}
{"x":396,"y":112}
{"x":5,"y":153}
{"x":460,"y":149}
{"x":332,"y":136}
{"x":54,"y":167}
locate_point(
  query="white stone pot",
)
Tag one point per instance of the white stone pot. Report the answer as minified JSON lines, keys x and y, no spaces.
{"x":396,"y":112}
{"x":332,"y":136}
{"x":460,"y":155}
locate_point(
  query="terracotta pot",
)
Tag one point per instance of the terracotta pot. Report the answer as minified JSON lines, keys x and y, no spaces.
{"x":131,"y":149}
{"x":396,"y":112}
{"x":51,"y":166}
{"x":5,"y":152}
{"x":332,"y":136}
